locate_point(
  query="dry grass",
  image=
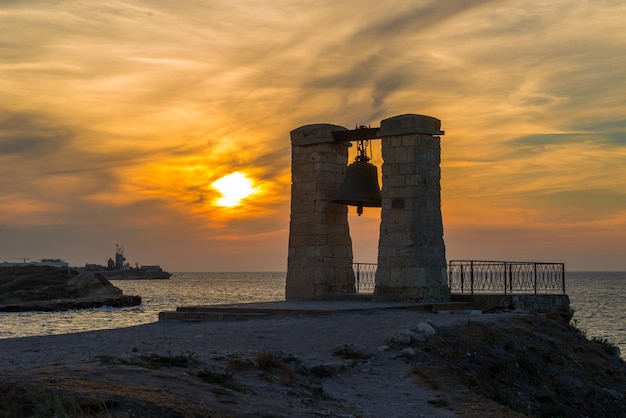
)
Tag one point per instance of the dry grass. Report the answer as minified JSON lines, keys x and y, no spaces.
{"x":536,"y":366}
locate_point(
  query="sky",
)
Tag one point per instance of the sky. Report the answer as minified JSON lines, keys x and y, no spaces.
{"x":118,"y":118}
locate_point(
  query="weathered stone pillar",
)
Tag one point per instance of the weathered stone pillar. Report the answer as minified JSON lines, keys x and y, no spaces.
{"x":320,"y":247}
{"x":411,"y":251}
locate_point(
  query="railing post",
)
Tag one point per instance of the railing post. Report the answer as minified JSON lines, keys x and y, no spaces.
{"x":535,"y":277}
{"x":511,"y":278}
{"x":563,"y":276}
{"x":472,"y":277}
{"x":358,"y":276}
{"x":504,"y":276}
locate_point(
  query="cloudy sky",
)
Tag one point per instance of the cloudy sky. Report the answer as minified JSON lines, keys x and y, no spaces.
{"x":117,"y":117}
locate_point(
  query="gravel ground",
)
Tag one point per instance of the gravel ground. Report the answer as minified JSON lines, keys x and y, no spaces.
{"x":109,"y":363}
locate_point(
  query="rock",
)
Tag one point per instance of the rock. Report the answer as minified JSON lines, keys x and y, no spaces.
{"x":408,"y":336}
{"x":407,"y":352}
{"x":328,"y":369}
{"x":614,"y":393}
{"x":425,"y":329}
{"x":44,"y":288}
{"x":417,"y":332}
{"x":349,"y":351}
{"x":400,"y":338}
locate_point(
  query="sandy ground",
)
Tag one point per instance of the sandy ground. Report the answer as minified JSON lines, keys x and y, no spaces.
{"x":381,"y":386}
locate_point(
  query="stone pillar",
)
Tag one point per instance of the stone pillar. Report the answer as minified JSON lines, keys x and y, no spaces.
{"x":320,"y":247}
{"x":411,"y":251}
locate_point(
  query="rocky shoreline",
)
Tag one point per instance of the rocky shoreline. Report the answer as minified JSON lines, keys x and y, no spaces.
{"x":44,"y":288}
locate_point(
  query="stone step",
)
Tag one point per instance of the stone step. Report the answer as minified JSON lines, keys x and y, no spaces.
{"x":441,"y":306}
{"x":460,"y":311}
{"x":301,"y":308}
{"x":188,"y":316}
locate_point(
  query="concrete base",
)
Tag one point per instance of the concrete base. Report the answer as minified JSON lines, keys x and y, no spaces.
{"x":412,"y":293}
{"x":297,"y":308}
{"x":525,"y":302}
{"x":337,"y":304}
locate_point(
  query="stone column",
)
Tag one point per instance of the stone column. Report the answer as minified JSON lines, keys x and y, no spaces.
{"x":411,"y":251}
{"x":320,"y":247}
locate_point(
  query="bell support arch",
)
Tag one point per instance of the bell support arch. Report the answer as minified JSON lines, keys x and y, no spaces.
{"x":411,"y":251}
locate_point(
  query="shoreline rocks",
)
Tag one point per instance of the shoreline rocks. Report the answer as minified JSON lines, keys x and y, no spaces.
{"x":44,"y":288}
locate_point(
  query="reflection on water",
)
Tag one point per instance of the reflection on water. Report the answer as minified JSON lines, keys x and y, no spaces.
{"x":598,"y":301}
{"x":157,"y":296}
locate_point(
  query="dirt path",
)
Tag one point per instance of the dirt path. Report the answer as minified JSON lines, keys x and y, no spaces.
{"x":380,"y":385}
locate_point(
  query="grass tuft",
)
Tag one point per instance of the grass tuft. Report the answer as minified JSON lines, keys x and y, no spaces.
{"x":277,"y":366}
{"x":153,"y":361}
{"x":39,"y":401}
{"x":607,"y":345}
{"x":217,"y":377}
{"x":350,"y":352}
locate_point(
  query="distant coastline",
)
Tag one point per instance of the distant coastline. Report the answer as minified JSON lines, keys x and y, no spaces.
{"x":116,"y":268}
{"x":141,"y":273}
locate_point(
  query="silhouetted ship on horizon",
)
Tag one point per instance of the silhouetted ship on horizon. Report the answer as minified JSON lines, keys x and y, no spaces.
{"x":119,"y":269}
{"x":116,"y":269}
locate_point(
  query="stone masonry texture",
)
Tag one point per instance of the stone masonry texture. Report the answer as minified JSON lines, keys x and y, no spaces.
{"x":411,"y":250}
{"x":320,"y":248}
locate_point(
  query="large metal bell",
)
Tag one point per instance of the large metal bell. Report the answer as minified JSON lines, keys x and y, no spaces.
{"x":360,"y":187}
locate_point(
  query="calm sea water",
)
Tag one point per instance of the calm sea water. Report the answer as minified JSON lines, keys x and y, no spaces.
{"x":598,"y":301}
{"x":182,"y":289}
{"x":596,"y":297}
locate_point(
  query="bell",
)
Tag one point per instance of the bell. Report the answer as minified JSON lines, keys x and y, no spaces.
{"x":360,"y":186}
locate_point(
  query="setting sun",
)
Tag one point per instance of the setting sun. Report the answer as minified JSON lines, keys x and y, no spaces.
{"x":233,"y":187}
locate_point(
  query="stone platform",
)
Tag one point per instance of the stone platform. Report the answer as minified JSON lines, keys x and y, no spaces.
{"x":299,"y":308}
{"x":526,"y":302}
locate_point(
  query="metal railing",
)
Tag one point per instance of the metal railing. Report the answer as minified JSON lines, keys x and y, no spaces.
{"x":477,"y":276}
{"x":508,"y":277}
{"x":364,"y":277}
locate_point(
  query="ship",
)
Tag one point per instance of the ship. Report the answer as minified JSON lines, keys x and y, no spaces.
{"x":119,"y":269}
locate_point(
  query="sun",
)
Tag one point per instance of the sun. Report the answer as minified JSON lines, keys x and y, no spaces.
{"x":234,"y":187}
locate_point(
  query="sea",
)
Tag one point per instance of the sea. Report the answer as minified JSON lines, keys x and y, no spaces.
{"x":596,"y":297}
